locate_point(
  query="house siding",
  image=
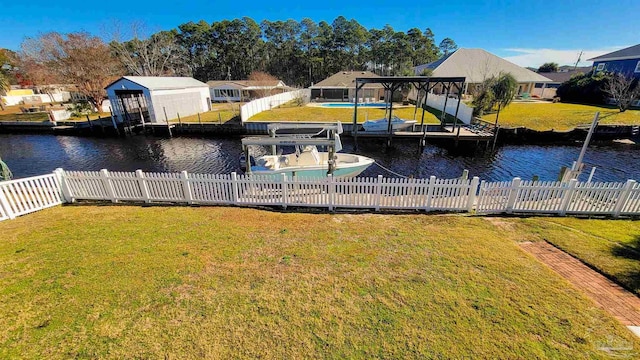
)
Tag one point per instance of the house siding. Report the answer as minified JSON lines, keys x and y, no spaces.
{"x":626,"y":67}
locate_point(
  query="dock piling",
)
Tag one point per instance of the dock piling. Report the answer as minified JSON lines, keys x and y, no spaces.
{"x":166,"y":119}
{"x":90,"y":124}
{"x":113,"y":121}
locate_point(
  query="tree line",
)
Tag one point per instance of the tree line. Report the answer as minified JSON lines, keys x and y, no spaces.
{"x":299,"y":53}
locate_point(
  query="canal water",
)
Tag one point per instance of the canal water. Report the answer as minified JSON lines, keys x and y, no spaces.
{"x":28,"y":155}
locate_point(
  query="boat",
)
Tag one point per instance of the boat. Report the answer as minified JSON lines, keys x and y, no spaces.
{"x":306,"y":161}
{"x":383,"y":124}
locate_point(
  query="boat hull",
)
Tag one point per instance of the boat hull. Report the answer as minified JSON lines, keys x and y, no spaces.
{"x":343,"y":170}
{"x":383,"y":125}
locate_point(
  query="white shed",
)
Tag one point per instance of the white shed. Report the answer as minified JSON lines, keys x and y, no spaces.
{"x":134,"y":98}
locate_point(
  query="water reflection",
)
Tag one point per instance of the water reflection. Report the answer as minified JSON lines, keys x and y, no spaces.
{"x":29,"y":155}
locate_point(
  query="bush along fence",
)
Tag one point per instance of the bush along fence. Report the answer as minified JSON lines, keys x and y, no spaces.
{"x":22,"y":196}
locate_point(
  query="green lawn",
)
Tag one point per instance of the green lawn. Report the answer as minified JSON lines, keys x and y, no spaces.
{"x":218,"y":282}
{"x":215,"y":116}
{"x":612,"y":247}
{"x":345,"y":115}
{"x":92,"y":116}
{"x":43,"y":116}
{"x":560,"y":116}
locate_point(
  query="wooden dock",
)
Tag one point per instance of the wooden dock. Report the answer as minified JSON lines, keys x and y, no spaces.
{"x":466,"y":134}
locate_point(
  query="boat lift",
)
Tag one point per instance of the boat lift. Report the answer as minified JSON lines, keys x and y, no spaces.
{"x":332,"y":140}
{"x":422,"y":84}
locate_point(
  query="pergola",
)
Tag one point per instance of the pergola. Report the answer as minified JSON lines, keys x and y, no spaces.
{"x":422,"y":83}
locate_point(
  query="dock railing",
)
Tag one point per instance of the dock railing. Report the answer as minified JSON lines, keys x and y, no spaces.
{"x":23,"y":196}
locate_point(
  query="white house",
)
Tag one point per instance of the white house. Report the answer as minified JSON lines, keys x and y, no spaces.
{"x":157,"y":99}
{"x":244,"y":90}
{"x":476,"y":65}
{"x":18,"y":96}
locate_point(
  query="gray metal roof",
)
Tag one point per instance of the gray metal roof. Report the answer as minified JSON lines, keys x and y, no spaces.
{"x":164,"y":82}
{"x":632,"y":52}
{"x":562,"y":76}
{"x":476,"y":65}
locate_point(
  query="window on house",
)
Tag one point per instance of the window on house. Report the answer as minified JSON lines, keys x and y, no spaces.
{"x":637,"y":67}
{"x":220,"y":93}
{"x":600,"y":67}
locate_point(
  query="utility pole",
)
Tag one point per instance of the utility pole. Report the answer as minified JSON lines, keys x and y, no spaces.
{"x":579,"y":58}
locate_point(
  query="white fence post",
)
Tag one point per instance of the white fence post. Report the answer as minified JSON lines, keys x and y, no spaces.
{"x":234,"y":183}
{"x":283,"y":183}
{"x":104,"y":174}
{"x":186,"y":187}
{"x":4,"y":204}
{"x":332,"y":192}
{"x":473,"y":188}
{"x":566,"y":200}
{"x":481,"y":192}
{"x":430,"y":191}
{"x":513,"y":194}
{"x":378,"y":197}
{"x":144,"y":189}
{"x":65,"y":192}
{"x":624,"y":196}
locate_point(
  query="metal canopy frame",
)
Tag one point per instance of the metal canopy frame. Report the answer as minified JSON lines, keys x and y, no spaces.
{"x":332,"y":141}
{"x":422,"y":83}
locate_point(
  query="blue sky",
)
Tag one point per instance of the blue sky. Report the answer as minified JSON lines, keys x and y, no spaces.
{"x":525,"y":32}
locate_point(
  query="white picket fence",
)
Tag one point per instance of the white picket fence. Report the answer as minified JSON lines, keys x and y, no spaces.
{"x":465,"y":113}
{"x":598,"y":198}
{"x":267,"y":103}
{"x":373,"y":193}
{"x":23,"y":196}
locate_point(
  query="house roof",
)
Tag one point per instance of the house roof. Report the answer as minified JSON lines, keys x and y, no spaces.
{"x":346,"y":79}
{"x":632,"y":52}
{"x":565,"y":68}
{"x":247,"y":84}
{"x":476,"y":65}
{"x":562,"y":76}
{"x":163,"y":82}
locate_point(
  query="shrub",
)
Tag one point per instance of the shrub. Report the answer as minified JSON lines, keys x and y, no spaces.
{"x":585,"y":88}
{"x":81,"y":108}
